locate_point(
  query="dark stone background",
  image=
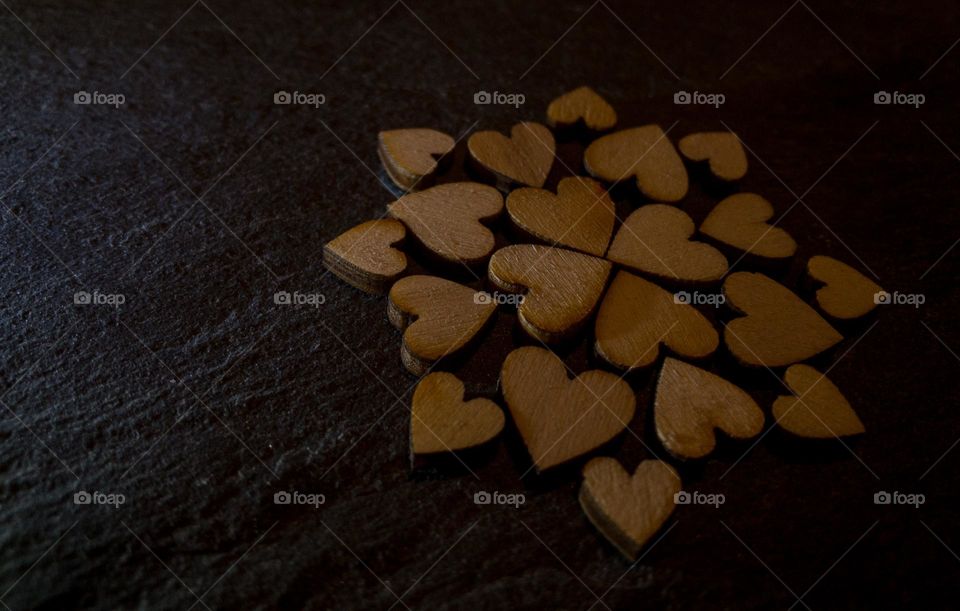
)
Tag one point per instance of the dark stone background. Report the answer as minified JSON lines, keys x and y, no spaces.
{"x":199,"y":397}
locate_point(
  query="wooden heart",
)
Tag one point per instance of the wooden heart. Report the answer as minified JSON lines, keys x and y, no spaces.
{"x":439,"y":317}
{"x":847,"y":293}
{"x":636,"y":316}
{"x":818,"y":410}
{"x":440,"y":420}
{"x":643,"y":152}
{"x":656,"y":239}
{"x":525,"y":157}
{"x":580,"y":215}
{"x":740,"y":221}
{"x":559,"y":418}
{"x":446,"y":219}
{"x":722,"y":149}
{"x":583,"y":104}
{"x":562,"y":286}
{"x":409,"y":155}
{"x":779,"y":328}
{"x":363,"y":257}
{"x":628,"y":510}
{"x":691,"y":403}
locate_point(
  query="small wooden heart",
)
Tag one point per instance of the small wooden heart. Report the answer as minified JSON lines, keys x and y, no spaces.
{"x":779,"y":328}
{"x":691,"y":403}
{"x":562,"y":286}
{"x":740,"y":221}
{"x":363,"y":255}
{"x":559,"y":418}
{"x":655,"y":239}
{"x":580,"y":215}
{"x":847,"y":293}
{"x":636,"y":316}
{"x":722,"y":149}
{"x":644,"y":153}
{"x":583,"y":104}
{"x":447,"y":219}
{"x":628,"y":510}
{"x":818,"y":410}
{"x":439,"y":317}
{"x":410,"y":155}
{"x":441,"y":421}
{"x":525,"y":157}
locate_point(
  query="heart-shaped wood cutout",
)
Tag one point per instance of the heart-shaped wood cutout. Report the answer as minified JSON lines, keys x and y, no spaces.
{"x":643,"y":152}
{"x":779,"y":328}
{"x":446,"y":219}
{"x":818,"y":410}
{"x":847,"y":293}
{"x":363,"y":255}
{"x":580,"y":215}
{"x":656,"y":239}
{"x":722,"y":149}
{"x":559,"y":418}
{"x":584,"y":104}
{"x":410,"y":155}
{"x":441,"y":421}
{"x":691,"y":403}
{"x":525,"y":157}
{"x":562,"y":286}
{"x":628,"y":510}
{"x":636,"y":316}
{"x":740,"y":221}
{"x":445,"y":315}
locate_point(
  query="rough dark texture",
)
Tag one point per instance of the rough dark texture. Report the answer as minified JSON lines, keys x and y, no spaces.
{"x":199,"y":397}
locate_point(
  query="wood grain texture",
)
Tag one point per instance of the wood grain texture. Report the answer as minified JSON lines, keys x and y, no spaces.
{"x":438,"y":318}
{"x":691,"y":403}
{"x":558,"y":418}
{"x":722,"y":150}
{"x":642,"y":152}
{"x":525,"y":157}
{"x":778,"y":328}
{"x":580,"y":216}
{"x":740,"y":221}
{"x":819,"y":410}
{"x":562,"y":286}
{"x":441,"y":421}
{"x":581,"y":104}
{"x":364,"y":257}
{"x":655,"y":239}
{"x":846,"y":293}
{"x":626,"y":509}
{"x":410,"y":156}
{"x":636,"y":316}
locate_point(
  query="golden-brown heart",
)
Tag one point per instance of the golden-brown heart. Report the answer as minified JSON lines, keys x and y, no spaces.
{"x":525,"y":157}
{"x":410,"y":155}
{"x":441,"y":421}
{"x":691,"y":402}
{"x":847,"y":293}
{"x":363,"y":255}
{"x":722,"y":149}
{"x":655,"y":239}
{"x":580,"y":215}
{"x":446,"y":219}
{"x":584,"y":104}
{"x":636,"y":316}
{"x":818,"y":410}
{"x":740,"y":221}
{"x":644,"y":153}
{"x":778,"y":327}
{"x":559,"y":418}
{"x":439,"y":317}
{"x":628,"y":510}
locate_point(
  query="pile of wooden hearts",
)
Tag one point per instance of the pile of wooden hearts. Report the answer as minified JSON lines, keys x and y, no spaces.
{"x":565,"y":277}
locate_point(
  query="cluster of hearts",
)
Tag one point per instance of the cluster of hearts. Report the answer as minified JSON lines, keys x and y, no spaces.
{"x":563,"y":283}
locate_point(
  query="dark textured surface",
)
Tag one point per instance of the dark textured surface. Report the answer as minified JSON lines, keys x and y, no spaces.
{"x":199,"y":397}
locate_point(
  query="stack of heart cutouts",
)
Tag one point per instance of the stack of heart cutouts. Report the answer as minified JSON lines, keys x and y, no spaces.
{"x":623,"y":283}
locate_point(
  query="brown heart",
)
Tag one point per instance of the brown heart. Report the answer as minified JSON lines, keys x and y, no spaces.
{"x":818,"y":410}
{"x":643,"y":152}
{"x":778,"y":329}
{"x":409,"y":155}
{"x":722,"y":149}
{"x":439,"y":317}
{"x":441,"y":421}
{"x":740,"y":221}
{"x":847,"y":293}
{"x":628,"y":510}
{"x":559,"y":418}
{"x":362,"y":256}
{"x":525,"y":157}
{"x":580,"y":215}
{"x":584,"y":104}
